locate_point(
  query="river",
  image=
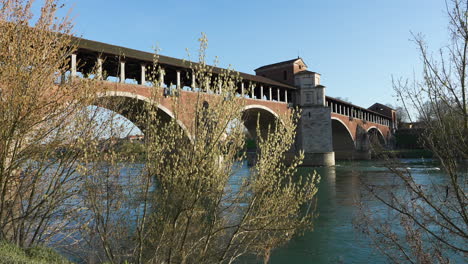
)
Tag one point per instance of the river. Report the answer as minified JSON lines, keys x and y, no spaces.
{"x":334,"y":239}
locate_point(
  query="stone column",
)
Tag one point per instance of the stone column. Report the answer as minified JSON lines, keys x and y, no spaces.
{"x":161,"y":78}
{"x":143,"y":74}
{"x":285,"y":95}
{"x":270,"y":94}
{"x":193,"y":81}
{"x":73,"y":66}
{"x":261,"y":92}
{"x":253,"y":92}
{"x":178,"y":80}
{"x":242,"y":89}
{"x":122,"y":72}
{"x":278,"y":94}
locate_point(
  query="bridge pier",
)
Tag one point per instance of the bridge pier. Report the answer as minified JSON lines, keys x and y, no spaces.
{"x":326,"y":159}
{"x":314,"y":133}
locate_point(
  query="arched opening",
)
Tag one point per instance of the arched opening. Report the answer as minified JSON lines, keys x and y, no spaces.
{"x":343,"y":143}
{"x":136,"y":109}
{"x":132,"y":108}
{"x":267,"y":121}
{"x":376,"y":138}
{"x":116,"y":137}
{"x":137,"y":119}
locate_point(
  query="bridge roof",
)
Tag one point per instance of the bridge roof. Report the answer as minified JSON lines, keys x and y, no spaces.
{"x":356,"y":106}
{"x":147,"y":57}
{"x":280,"y":63}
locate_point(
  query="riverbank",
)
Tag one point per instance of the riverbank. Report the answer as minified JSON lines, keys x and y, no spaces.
{"x":409,"y":153}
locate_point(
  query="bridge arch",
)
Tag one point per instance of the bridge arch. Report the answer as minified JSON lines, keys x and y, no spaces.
{"x":255,"y":106}
{"x":344,"y":143}
{"x":138,"y":106}
{"x":267,"y":117}
{"x":376,"y":136}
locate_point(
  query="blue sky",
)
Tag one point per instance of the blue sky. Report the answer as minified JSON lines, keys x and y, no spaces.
{"x":356,"y":45}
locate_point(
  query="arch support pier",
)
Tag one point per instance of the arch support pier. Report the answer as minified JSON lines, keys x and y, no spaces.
{"x":314,"y":132}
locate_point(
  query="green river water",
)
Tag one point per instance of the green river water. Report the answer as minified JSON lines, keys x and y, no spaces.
{"x":334,"y":238}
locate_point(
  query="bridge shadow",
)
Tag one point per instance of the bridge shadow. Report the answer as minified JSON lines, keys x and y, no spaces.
{"x":343,"y":143}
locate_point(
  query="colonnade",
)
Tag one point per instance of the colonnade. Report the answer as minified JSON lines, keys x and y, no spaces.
{"x":246,"y":88}
{"x":357,"y":112}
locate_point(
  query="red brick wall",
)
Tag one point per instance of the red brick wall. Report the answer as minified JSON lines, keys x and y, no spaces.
{"x":187,"y":100}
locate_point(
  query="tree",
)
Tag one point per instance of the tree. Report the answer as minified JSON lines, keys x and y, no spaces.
{"x":46,"y":126}
{"x":197,"y":211}
{"x":61,"y":186}
{"x":32,"y":121}
{"x":344,"y":99}
{"x":433,"y":217}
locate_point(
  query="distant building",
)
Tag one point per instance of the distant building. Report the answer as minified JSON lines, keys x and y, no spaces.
{"x":386,"y":111}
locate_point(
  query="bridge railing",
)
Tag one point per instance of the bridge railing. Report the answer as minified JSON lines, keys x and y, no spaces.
{"x":352,"y":111}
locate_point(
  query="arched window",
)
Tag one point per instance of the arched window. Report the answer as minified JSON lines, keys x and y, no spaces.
{"x":285,"y":75}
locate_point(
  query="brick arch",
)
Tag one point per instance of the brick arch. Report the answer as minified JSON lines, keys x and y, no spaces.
{"x":359,"y":127}
{"x":253,"y":106}
{"x":130,"y":95}
{"x":378,"y":130}
{"x":343,"y":142}
{"x":187,"y":101}
{"x":346,"y":127}
{"x":250,"y":121}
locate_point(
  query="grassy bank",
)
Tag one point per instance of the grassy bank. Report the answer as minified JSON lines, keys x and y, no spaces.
{"x":10,"y":254}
